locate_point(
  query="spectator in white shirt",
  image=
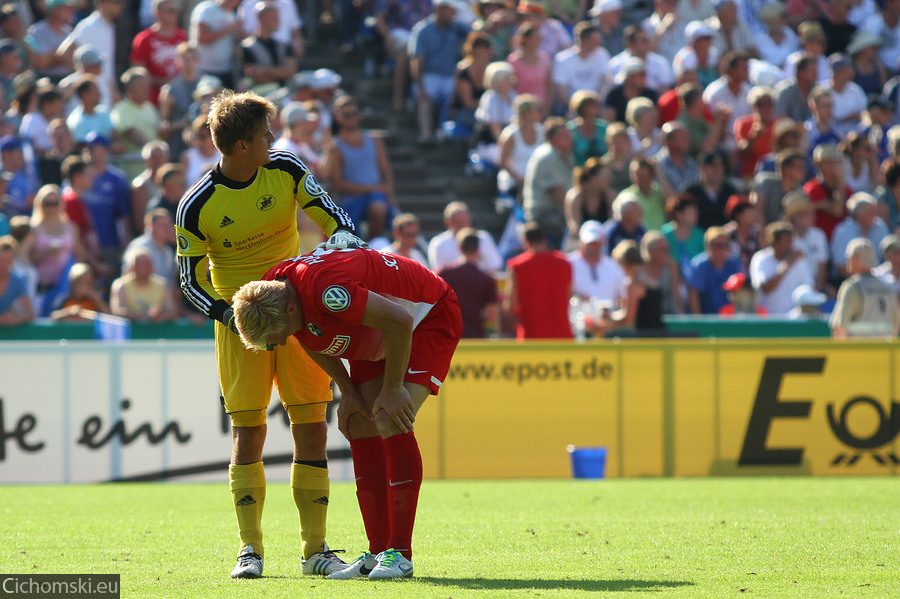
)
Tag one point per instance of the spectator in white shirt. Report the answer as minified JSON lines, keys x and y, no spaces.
{"x":778,"y":269}
{"x":594,"y":274}
{"x":808,"y":238}
{"x":584,"y":66}
{"x":443,"y":249}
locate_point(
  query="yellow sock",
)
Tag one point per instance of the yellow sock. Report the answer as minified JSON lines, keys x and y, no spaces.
{"x":310,"y":488}
{"x":248,"y":490}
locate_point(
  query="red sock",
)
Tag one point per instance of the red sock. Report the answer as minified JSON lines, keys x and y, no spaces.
{"x":404,"y":467}
{"x":370,"y":466}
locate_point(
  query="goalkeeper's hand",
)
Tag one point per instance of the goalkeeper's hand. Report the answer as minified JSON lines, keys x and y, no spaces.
{"x":343,"y":240}
{"x":229,"y":321}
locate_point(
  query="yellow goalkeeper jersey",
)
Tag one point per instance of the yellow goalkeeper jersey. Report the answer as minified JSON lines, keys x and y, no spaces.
{"x":237,"y":231}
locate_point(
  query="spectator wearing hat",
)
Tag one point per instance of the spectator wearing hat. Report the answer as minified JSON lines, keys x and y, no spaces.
{"x":889,"y":270}
{"x":594,"y":274}
{"x":607,"y":16}
{"x":849,"y":98}
{"x":497,"y":20}
{"x":476,"y":290}
{"x":98,"y":31}
{"x":836,"y":26}
{"x":885,"y":24}
{"x":711,"y":191}
{"x":89,"y":115}
{"x":777,"y":41}
{"x":109,"y":202}
{"x":731,"y":89}
{"x":746,"y":236}
{"x":23,"y":184}
{"x":298,"y":127}
{"x":807,"y":303}
{"x":754,"y":132}
{"x":808,"y":238}
{"x":676,"y":168}
{"x":698,"y":57}
{"x":433,"y":53}
{"x":862,"y":221}
{"x":155,"y":48}
{"x":658,"y":70}
{"x":547,"y":178}
{"x":666,"y":29}
{"x":775,"y":271}
{"x":868,"y":71}
{"x":828,"y":191}
{"x":732,"y":33}
{"x":394,"y":20}
{"x":709,"y":271}
{"x":87,"y":62}
{"x":268,"y":62}
{"x":584,"y":66}
{"x":632,"y":86}
{"x":555,"y":37}
{"x":820,"y":127}
{"x":135,"y":118}
{"x":741,"y":297}
{"x":44,"y":37}
{"x":866,"y":306}
{"x":538,"y":288}
{"x":215,"y":31}
{"x":812,"y":42}
{"x":792,"y":94}
{"x":176,"y":97}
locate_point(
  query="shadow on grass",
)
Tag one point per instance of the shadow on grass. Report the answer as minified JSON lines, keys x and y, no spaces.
{"x":575,"y":585}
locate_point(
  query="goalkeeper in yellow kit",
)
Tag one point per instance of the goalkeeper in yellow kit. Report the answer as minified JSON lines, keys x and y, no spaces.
{"x":235,"y":223}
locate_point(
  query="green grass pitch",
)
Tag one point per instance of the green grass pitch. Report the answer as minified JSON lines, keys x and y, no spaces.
{"x":726,"y":537}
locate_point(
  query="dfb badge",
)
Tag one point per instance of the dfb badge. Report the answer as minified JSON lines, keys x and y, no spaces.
{"x":315,"y":329}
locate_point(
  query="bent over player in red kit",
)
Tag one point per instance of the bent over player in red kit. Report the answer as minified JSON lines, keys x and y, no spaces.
{"x":397,"y":324}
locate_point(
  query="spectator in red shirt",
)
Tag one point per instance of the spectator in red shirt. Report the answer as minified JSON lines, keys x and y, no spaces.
{"x":539,"y":286}
{"x":828,"y":191}
{"x":154,"y":48}
{"x":754,"y":131}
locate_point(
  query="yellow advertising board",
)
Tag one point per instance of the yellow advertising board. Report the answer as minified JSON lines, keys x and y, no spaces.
{"x":688,"y":408}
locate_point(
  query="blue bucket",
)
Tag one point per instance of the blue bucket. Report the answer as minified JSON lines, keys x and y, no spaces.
{"x":588,"y":462}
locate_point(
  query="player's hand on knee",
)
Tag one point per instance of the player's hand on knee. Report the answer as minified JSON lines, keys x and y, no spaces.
{"x":343,"y":240}
{"x":351,"y":403}
{"x":396,"y":404}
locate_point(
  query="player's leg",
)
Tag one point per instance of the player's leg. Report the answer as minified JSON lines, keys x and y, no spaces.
{"x":305,"y":391}
{"x":242,"y":376}
{"x":370,"y":469}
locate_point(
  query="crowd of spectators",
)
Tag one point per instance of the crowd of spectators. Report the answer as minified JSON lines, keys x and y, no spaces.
{"x":669,"y":145}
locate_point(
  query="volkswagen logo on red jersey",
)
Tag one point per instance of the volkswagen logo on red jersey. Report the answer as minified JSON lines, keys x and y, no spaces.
{"x":336,"y":298}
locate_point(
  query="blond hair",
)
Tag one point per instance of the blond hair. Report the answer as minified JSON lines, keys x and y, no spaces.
{"x":237,"y":117}
{"x":260,"y":307}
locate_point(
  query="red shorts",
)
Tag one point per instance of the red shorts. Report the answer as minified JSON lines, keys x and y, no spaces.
{"x":433,"y":344}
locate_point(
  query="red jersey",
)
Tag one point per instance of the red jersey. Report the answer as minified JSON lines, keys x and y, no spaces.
{"x":157,"y":53}
{"x":544,"y":284}
{"x":334,"y":286}
{"x":761,"y":146}
{"x":818,"y":193}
